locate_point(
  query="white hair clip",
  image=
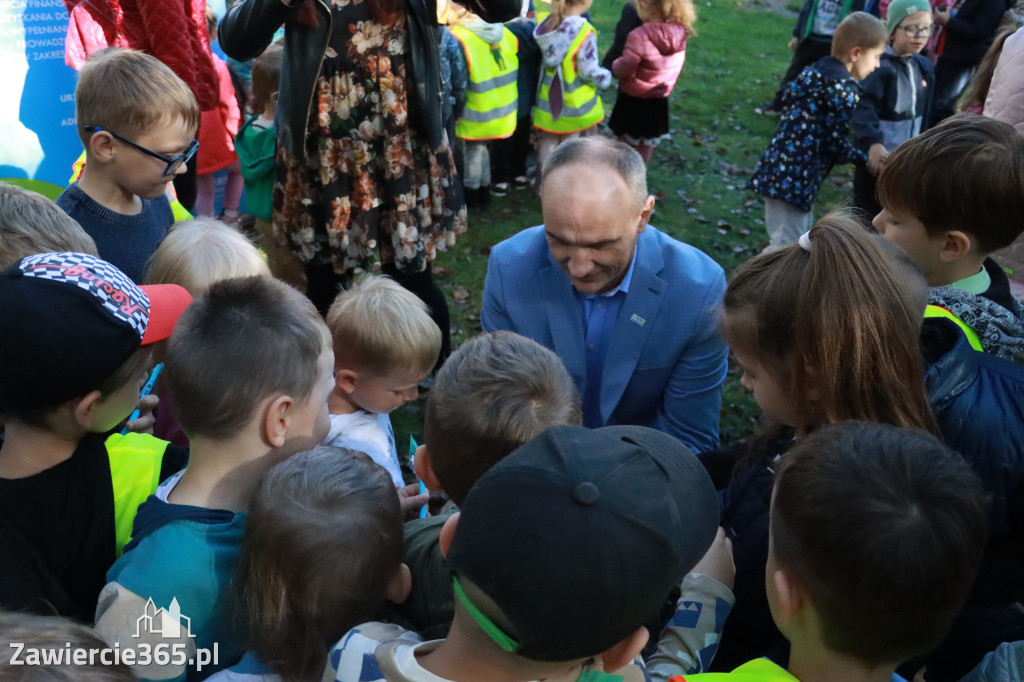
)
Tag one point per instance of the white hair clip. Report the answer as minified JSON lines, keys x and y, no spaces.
{"x":805,"y":241}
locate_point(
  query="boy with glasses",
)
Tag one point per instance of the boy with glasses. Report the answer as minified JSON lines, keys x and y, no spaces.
{"x":894,"y":99}
{"x":138,"y":122}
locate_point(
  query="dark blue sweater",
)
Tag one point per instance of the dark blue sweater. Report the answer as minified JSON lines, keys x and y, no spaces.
{"x":126,"y":241}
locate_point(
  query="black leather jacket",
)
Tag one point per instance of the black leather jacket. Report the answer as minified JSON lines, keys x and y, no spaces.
{"x":249,"y":26}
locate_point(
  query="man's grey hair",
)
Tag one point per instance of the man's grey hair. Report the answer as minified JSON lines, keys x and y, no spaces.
{"x":604,"y":151}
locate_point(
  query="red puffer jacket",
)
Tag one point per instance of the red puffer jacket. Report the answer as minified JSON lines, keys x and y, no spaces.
{"x":173,"y":31}
{"x":652,"y":59}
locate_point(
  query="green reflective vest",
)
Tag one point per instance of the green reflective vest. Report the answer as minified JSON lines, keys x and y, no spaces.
{"x":939,"y":311}
{"x":492,"y":98}
{"x":135,"y":460}
{"x":581,"y":106}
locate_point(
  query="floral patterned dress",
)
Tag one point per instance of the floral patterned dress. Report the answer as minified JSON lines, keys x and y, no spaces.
{"x":367,"y":182}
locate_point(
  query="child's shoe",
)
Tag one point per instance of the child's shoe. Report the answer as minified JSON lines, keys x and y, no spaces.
{"x":499,"y":189}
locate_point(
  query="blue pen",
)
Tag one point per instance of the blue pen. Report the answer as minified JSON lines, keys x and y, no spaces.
{"x":412,"y":463}
{"x":146,"y":390}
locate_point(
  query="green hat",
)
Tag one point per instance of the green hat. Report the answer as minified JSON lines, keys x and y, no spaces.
{"x":901,"y":9}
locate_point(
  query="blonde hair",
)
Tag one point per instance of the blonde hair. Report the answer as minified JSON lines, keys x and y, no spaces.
{"x":65,"y":637}
{"x":379,"y":326}
{"x":30,"y":224}
{"x":560,"y":10}
{"x":129,"y":92}
{"x":668,"y":11}
{"x":859,"y":29}
{"x":211,"y":22}
{"x":197,"y":253}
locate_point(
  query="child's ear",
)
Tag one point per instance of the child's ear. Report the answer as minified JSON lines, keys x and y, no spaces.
{"x":275,"y":420}
{"x":345,"y":380}
{"x":448,"y":533}
{"x":101,"y":147}
{"x":788,"y":596}
{"x":400,"y":586}
{"x":622,"y":654}
{"x":956,"y":245}
{"x":424,"y":471}
{"x":84,"y":407}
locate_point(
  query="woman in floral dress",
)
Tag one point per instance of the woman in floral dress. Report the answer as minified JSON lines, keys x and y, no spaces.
{"x":360,"y":177}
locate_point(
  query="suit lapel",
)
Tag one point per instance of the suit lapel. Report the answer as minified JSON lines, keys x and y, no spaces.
{"x":565,"y":321}
{"x":634,"y":323}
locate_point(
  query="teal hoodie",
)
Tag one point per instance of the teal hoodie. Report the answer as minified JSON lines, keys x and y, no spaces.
{"x":255,"y":148}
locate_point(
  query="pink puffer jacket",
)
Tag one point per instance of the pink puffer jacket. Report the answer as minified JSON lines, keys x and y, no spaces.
{"x":652,"y":59}
{"x":1005,"y":102}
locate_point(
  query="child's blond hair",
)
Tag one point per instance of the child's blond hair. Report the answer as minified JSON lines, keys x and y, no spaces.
{"x":859,"y":29}
{"x":197,"y":253}
{"x":560,"y":9}
{"x":30,"y":224}
{"x":378,"y":326}
{"x":129,"y":92}
{"x":669,"y":11}
{"x":60,"y":636}
{"x":211,"y":22}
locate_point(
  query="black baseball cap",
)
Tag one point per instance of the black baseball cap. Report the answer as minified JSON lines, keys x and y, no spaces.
{"x":579,"y":535}
{"x":70,"y":320}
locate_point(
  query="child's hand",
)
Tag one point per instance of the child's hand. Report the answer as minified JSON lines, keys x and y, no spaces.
{"x":717,"y":562}
{"x":411,"y":500}
{"x":145,"y":421}
{"x":877,"y":156}
{"x":793,"y":44}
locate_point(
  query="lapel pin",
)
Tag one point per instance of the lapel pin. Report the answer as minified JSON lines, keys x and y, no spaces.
{"x":636,"y":319}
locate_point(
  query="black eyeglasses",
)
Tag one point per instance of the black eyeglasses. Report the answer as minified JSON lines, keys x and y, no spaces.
{"x":173,"y":162}
{"x":915,"y":31}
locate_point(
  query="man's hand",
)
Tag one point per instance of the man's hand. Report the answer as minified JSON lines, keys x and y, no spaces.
{"x":941,"y":15}
{"x":877,"y":156}
{"x":793,"y":44}
{"x":717,"y":562}
{"x":145,"y":421}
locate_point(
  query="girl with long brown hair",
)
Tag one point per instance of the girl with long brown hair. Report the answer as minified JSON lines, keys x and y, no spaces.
{"x":823,"y":334}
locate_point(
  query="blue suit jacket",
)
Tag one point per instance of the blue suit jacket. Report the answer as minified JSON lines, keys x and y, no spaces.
{"x":665,"y":361}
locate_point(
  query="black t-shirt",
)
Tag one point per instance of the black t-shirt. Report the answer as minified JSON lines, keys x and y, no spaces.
{"x":57,"y":532}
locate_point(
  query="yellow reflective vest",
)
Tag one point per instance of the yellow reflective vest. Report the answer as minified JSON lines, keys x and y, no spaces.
{"x":939,"y":311}
{"x":492,"y":98}
{"x":581,"y":106}
{"x":135,"y":461}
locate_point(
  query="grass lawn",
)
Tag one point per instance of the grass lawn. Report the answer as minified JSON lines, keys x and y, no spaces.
{"x":698,"y":176}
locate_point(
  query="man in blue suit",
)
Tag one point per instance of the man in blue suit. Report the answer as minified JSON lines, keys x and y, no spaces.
{"x":631,"y":311}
